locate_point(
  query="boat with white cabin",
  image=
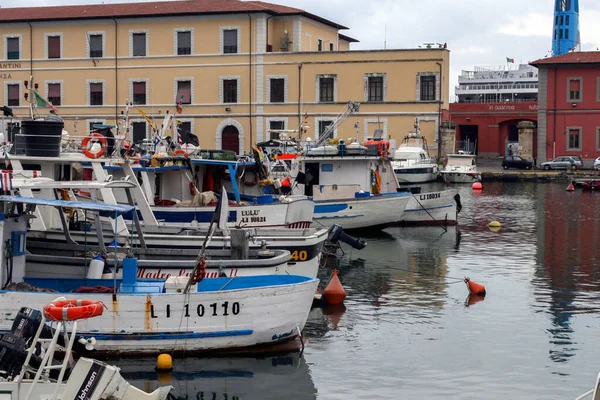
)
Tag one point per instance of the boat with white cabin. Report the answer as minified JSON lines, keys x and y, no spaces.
{"x":411,"y":160}
{"x":460,"y":168}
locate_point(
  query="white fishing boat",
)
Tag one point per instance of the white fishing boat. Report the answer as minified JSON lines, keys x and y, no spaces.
{"x":179,"y":314}
{"x":432,"y":208}
{"x":411,"y":160}
{"x":460,"y":168}
{"x":28,"y":369}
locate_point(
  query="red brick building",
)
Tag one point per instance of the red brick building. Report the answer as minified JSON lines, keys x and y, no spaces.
{"x":569,"y":106}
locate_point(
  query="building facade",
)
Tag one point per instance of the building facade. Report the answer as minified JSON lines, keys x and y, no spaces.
{"x":569,"y":106}
{"x":238,"y":69}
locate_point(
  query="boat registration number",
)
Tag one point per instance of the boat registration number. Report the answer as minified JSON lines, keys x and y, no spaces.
{"x":224,"y":309}
{"x":251,"y":216}
{"x":430,"y":196}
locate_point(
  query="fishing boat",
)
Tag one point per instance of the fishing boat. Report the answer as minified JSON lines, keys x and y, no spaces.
{"x":432,"y":208}
{"x":411,"y":160}
{"x":193,"y":314}
{"x":29,"y":371}
{"x":460,"y":168}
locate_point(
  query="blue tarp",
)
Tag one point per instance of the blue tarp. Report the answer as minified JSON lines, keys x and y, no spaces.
{"x":81,"y":205}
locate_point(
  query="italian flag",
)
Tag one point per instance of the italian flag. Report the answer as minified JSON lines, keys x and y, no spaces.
{"x":41,"y":102}
{"x":510,"y":60}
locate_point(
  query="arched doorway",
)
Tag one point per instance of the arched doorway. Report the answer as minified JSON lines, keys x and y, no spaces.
{"x":230,"y":139}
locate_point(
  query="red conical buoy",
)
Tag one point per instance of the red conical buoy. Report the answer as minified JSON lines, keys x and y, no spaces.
{"x":571,"y":187}
{"x":334,"y":293}
{"x":474,"y":287}
{"x":473,"y":299}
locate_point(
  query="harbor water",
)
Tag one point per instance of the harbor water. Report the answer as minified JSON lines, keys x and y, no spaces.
{"x":409,"y":330}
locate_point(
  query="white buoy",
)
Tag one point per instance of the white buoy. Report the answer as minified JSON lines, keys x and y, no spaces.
{"x":96,"y":268}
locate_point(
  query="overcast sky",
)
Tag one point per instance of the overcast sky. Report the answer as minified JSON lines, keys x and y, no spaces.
{"x":478,"y":32}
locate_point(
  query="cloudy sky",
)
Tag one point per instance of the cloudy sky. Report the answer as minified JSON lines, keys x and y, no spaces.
{"x":478,"y":32}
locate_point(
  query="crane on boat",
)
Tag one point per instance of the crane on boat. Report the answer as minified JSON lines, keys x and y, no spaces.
{"x":351,"y":108}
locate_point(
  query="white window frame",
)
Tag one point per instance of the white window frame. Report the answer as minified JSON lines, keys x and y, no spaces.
{"x":366,"y":85}
{"x":87,"y":43}
{"x":317,"y":88}
{"x":135,"y":120}
{"x":437,"y":86}
{"x":222,"y":41}
{"x":324,"y":119}
{"x":574,"y":128}
{"x":62,"y":90}
{"x":192,"y":87}
{"x":46,"y":36}
{"x":6,"y":83}
{"x":268,"y":121}
{"x":239,"y":88}
{"x":131,"y":32}
{"x":137,"y":80}
{"x":95,"y":121}
{"x":87,"y":91}
{"x":569,"y":80}
{"x":175,"y":32}
{"x":368,"y":121}
{"x":13,"y":36}
{"x":285,"y":87}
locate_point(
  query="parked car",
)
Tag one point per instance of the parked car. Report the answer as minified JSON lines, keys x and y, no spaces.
{"x":516,"y":162}
{"x":563,"y":162}
{"x":597,"y":164}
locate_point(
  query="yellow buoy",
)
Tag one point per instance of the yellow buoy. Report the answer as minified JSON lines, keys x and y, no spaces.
{"x":494,"y":228}
{"x":494,"y":224}
{"x":164,"y":362}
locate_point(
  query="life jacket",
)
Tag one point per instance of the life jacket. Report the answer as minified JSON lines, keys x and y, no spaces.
{"x":286,"y":182}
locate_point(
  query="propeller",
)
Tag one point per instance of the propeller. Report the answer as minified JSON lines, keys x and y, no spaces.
{"x":89,"y":343}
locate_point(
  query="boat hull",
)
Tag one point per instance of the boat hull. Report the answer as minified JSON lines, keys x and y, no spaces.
{"x":433,"y":208}
{"x":207,"y":321}
{"x":415,"y":176}
{"x":460,"y":177}
{"x":374,"y":212}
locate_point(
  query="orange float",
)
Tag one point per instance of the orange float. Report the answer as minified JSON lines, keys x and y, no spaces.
{"x":474,"y":287}
{"x":571,"y":188}
{"x":70,"y":310}
{"x":477,"y":186}
{"x":86,"y":141}
{"x":180,"y":153}
{"x":334,"y":293}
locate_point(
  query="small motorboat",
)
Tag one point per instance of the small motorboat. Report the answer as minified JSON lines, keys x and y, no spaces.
{"x":28,"y":369}
{"x":591,"y":184}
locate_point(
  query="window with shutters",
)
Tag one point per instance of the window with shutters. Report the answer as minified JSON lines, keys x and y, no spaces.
{"x":139,"y":44}
{"x":13,"y":95}
{"x":427,"y":88}
{"x":326,"y":89}
{"x":184,"y":43}
{"x":95,"y":43}
{"x":96,"y":94}
{"x":574,"y":138}
{"x":230,"y":41}
{"x":13,"y":48}
{"x":574,"y":86}
{"x":230,"y":91}
{"x":277,"y":90}
{"x":184,"y":92}
{"x":53,"y":46}
{"x":375,"y":88}
{"x":54,"y":94}
{"x":139,"y":92}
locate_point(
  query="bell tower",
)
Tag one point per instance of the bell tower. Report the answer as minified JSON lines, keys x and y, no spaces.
{"x":565,"y":35}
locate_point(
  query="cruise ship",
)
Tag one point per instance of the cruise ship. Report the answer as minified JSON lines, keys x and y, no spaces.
{"x":497,"y":84}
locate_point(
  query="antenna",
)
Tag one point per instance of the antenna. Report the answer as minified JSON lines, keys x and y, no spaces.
{"x":385,"y":35}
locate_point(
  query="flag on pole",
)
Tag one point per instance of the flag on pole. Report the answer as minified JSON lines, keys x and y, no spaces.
{"x":147,"y":118}
{"x":179,"y":105}
{"x":41,"y":102}
{"x":510,"y":60}
{"x":222,"y":211}
{"x":6,"y":159}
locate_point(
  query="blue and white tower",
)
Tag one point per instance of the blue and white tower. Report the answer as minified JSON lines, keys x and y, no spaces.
{"x":566,"y":27}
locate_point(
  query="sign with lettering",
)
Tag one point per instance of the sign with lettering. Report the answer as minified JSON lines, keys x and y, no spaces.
{"x":157,"y":273}
{"x":214,"y":309}
{"x":251,"y":216}
{"x":12,"y":65}
{"x":5,"y":75}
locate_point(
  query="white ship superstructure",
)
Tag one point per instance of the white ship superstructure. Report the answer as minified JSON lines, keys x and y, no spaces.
{"x":498,"y":84}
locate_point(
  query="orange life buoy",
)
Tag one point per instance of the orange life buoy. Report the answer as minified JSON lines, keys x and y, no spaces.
{"x":251,"y":182}
{"x":86,"y":141}
{"x":70,"y":310}
{"x":180,"y":153}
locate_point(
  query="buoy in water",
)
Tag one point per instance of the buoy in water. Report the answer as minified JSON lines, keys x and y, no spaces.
{"x":477,"y":186}
{"x":164,"y":362}
{"x":494,"y":224}
{"x":473,"y":299}
{"x":571,"y":187}
{"x":474,"y":287}
{"x":334,"y":293}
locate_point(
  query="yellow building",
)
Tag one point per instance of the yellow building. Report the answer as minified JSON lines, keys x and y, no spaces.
{"x":238,"y":68}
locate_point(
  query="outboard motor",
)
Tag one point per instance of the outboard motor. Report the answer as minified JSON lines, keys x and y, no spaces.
{"x":13,"y":352}
{"x":336,"y":234}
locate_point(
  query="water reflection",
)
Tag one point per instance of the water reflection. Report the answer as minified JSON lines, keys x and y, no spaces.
{"x":276,"y":377}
